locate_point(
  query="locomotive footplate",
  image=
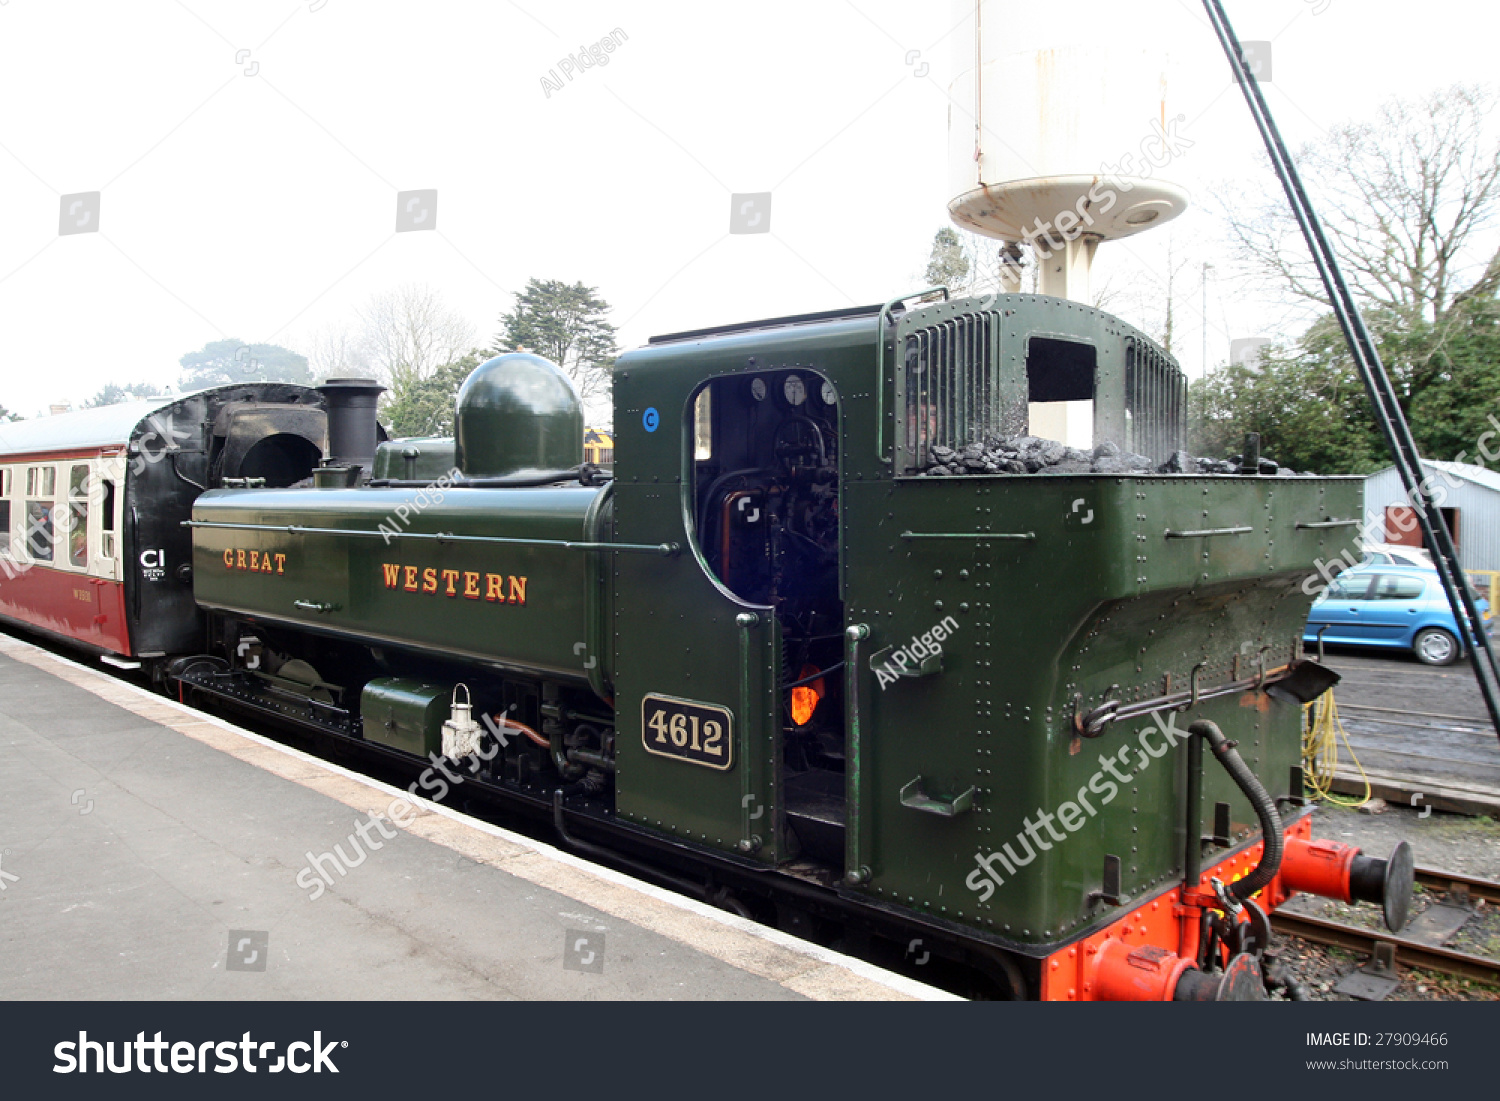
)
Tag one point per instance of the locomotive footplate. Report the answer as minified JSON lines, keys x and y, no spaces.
{"x":264,"y":695}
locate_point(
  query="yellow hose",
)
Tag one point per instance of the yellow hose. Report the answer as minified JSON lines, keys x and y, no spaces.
{"x":1320,"y":751}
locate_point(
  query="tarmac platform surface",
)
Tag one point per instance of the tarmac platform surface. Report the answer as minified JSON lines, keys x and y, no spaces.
{"x":148,"y":851}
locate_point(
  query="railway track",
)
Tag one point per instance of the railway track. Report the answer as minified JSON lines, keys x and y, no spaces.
{"x":1460,"y":891}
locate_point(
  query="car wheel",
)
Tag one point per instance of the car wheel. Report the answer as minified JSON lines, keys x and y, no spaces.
{"x":1435,"y":646}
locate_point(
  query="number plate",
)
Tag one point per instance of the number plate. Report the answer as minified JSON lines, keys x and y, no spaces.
{"x":699,"y":733}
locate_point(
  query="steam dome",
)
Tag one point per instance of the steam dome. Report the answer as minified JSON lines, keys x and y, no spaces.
{"x":518,"y":414}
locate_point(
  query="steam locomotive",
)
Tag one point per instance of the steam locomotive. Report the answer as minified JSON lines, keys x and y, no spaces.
{"x":793,"y":653}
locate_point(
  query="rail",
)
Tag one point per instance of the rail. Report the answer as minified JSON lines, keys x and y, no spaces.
{"x":1413,"y":953}
{"x":1410,"y":952}
{"x":1439,"y":880}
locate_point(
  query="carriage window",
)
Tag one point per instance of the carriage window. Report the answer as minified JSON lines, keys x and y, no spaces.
{"x":78,"y":516}
{"x":39,"y":530}
{"x":107,"y":519}
{"x":5,"y":511}
{"x":41,"y":481}
{"x":41,"y":485}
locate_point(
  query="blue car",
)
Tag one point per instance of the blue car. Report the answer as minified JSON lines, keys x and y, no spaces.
{"x":1395,"y":607}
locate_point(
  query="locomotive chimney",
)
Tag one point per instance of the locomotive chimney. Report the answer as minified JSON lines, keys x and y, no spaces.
{"x":352,"y":429}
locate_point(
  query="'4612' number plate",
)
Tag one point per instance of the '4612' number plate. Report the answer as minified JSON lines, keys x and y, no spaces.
{"x":701,"y":733}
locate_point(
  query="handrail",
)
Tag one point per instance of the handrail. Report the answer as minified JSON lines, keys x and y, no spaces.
{"x":1023,"y":536}
{"x":1327,"y":524}
{"x":593,"y":599}
{"x":855,"y":869}
{"x":666,"y":550}
{"x":1205,"y":533}
{"x":880,"y":364}
{"x":749,"y":842}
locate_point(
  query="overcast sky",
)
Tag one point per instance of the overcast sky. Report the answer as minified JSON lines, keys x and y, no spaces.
{"x":248,"y":157}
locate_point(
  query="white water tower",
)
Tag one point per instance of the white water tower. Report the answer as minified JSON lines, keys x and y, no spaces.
{"x":1061,"y":136}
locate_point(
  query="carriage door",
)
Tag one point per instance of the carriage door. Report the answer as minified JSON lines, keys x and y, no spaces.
{"x":701,"y":636}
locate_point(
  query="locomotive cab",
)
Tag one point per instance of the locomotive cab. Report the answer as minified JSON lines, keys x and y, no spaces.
{"x":765,"y":487}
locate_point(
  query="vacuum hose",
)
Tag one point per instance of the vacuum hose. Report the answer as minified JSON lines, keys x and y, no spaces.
{"x":1260,"y":799}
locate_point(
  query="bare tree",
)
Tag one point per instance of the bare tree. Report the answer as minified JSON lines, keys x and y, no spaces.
{"x":1406,"y":201}
{"x":337,"y":350}
{"x":408,"y":333}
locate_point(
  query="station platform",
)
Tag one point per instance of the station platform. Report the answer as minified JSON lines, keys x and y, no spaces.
{"x":148,"y":851}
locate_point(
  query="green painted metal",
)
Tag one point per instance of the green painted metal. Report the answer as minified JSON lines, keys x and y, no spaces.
{"x":406,"y":714}
{"x":1110,"y":609}
{"x":885,"y":313}
{"x":385,"y":568}
{"x":518,"y":413}
{"x":417,"y":458}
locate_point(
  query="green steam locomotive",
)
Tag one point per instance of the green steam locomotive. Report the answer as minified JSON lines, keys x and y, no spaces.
{"x":841,"y":641}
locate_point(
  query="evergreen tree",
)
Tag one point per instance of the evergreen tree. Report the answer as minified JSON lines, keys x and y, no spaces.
{"x":426,"y":407}
{"x":566,"y":324}
{"x":222,"y":362}
{"x":947,"y":264}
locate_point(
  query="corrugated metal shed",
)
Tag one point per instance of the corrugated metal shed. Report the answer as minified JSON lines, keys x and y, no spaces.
{"x":1473,"y":490}
{"x":105,"y":426}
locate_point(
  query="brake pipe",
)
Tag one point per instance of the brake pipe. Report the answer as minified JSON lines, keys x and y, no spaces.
{"x":1260,"y":799}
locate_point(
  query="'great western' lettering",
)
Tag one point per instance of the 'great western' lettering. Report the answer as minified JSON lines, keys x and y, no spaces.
{"x":497,"y":588}
{"x":254,"y":561}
